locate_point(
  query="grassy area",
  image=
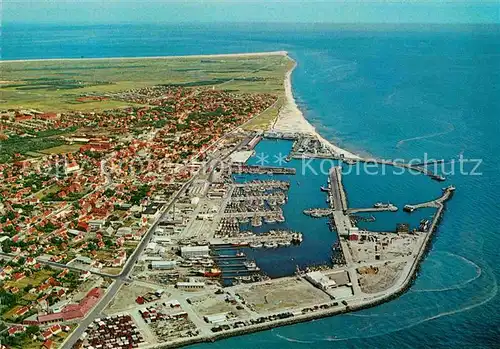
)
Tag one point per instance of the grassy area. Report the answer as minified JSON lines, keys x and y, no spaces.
{"x":56,"y":85}
{"x":62,"y":149}
{"x":34,"y":280}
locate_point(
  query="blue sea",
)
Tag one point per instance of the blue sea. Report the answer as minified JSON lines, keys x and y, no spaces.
{"x":387,"y":91}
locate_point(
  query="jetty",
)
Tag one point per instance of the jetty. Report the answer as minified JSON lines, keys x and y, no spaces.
{"x":420,"y":167}
{"x":436,"y":203}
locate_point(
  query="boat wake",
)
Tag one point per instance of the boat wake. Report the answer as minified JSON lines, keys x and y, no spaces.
{"x":450,"y":129}
{"x":459,"y":285}
{"x":288,"y":339}
{"x":491,"y":295}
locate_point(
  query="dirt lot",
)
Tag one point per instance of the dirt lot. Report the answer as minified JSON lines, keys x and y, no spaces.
{"x":214,"y":304}
{"x":125,"y":298}
{"x":281,"y":294}
{"x":380,"y":278}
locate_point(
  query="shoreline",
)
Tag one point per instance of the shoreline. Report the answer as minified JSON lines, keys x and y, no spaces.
{"x":291,"y":119}
{"x":222,"y":55}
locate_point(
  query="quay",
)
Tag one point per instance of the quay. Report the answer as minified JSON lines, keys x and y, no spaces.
{"x":272,"y":184}
{"x":278,"y":197}
{"x":252,"y":214}
{"x":254,"y":169}
{"x":447,"y":193}
{"x":272,"y":239}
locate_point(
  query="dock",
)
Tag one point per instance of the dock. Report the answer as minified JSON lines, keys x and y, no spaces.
{"x":271,"y":239}
{"x":254,"y":169}
{"x":390,"y":208}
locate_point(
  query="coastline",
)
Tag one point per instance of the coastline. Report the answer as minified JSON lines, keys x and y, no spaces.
{"x":291,"y":119}
{"x":233,"y":55}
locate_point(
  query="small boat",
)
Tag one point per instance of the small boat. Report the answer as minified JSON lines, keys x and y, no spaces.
{"x":409,"y":208}
{"x":270,"y":245}
{"x":240,"y":254}
{"x":256,"y":245}
{"x":439,"y":178}
{"x":239,"y":244}
{"x":424,"y":225}
{"x":256,"y":221}
{"x":270,"y":219}
{"x":213,"y":273}
{"x":324,"y":189}
{"x":382,"y":205}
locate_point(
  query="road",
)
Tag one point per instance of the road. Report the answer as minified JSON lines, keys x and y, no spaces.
{"x":121,"y":278}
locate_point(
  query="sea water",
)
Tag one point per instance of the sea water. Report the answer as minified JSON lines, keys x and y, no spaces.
{"x":391,"y":92}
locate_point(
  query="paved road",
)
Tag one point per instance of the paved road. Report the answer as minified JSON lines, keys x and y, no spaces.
{"x":121,"y":278}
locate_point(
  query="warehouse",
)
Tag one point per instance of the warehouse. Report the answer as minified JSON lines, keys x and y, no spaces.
{"x":162,"y":265}
{"x":320,"y":280}
{"x":195,"y":251}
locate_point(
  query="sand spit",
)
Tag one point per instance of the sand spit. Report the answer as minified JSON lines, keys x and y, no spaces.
{"x":291,"y":119}
{"x":229,"y":55}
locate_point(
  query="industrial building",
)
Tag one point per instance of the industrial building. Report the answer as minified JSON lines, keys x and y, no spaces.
{"x":162,"y":265}
{"x":195,"y":251}
{"x":320,"y":280}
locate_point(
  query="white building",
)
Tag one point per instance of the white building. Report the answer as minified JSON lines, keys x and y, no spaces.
{"x":195,"y":251}
{"x":163,"y":264}
{"x":320,"y":280}
{"x":190,"y":285}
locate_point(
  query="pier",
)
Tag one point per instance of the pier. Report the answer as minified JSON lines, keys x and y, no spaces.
{"x":271,"y":239}
{"x":415,"y":167}
{"x":254,"y":169}
{"x":252,"y":214}
{"x":277,"y":197}
{"x":447,"y":193}
{"x":390,"y":208}
{"x":263,"y":185}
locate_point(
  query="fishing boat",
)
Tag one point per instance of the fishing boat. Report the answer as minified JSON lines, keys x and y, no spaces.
{"x":270,"y":219}
{"x":256,"y":221}
{"x":382,"y":205}
{"x":213,"y":273}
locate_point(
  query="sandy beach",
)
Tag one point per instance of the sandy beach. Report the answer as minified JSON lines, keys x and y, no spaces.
{"x":291,"y":119}
{"x":229,"y":55}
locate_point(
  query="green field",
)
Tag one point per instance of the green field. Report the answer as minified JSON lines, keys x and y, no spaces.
{"x":55,"y":85}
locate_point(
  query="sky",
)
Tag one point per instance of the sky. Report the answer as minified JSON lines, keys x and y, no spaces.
{"x":272,"y":11}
